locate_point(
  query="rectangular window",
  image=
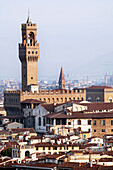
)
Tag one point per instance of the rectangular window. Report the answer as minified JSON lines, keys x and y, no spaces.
{"x":69,"y":123}
{"x":103,"y":130}
{"x":103,"y":122}
{"x":89,"y":122}
{"x":94,"y":130}
{"x":111,"y":130}
{"x":111,"y":122}
{"x":94,"y":122}
{"x":57,"y":121}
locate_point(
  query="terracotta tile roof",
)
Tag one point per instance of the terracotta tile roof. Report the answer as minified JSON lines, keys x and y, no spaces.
{"x":35,"y":137}
{"x":9,"y":144}
{"x":48,"y":107}
{"x":69,"y":164}
{"x":48,"y":165}
{"x":98,"y":106}
{"x":11,"y":117}
{"x":109,"y":141}
{"x":54,"y":156}
{"x":106,"y":160}
{"x":32,"y":101}
{"x":18,"y":130}
{"x":44,"y":144}
{"x":99,"y":87}
{"x":5,"y":132}
{"x":79,"y":115}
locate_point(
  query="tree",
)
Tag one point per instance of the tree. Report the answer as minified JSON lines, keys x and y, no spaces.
{"x":7,"y":152}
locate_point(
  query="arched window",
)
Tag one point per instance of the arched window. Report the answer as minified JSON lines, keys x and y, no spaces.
{"x":31,"y":38}
{"x":57,"y":99}
{"x":65,"y":99}
{"x":78,"y":98}
{"x":44,"y":123}
{"x":61,"y":99}
{"x":53,"y":100}
{"x":39,"y":121}
{"x":27,"y":154}
{"x":89,"y":99}
{"x":79,"y":122}
{"x":98,"y":99}
{"x":48,"y":99}
{"x":82,"y":98}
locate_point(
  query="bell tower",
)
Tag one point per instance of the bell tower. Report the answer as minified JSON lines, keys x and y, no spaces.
{"x":29,"y":54}
{"x":61,"y":80}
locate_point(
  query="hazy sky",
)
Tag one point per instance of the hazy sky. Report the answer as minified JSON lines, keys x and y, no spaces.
{"x":70,"y":32}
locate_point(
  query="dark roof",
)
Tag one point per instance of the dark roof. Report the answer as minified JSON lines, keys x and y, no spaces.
{"x":47,"y":144}
{"x":9,"y":144}
{"x":36,"y":137}
{"x":3,"y":132}
{"x":99,"y":87}
{"x":98,"y":106}
{"x":106,"y":160}
{"x":80,"y":115}
{"x":48,"y":107}
{"x":54,"y":156}
{"x":32,"y":101}
{"x":18,"y":130}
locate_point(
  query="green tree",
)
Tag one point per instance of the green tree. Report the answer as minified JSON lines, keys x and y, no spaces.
{"x":7,"y":152}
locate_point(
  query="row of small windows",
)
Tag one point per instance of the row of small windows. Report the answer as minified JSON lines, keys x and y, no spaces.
{"x":11,"y":100}
{"x":61,"y":99}
{"x":103,"y":130}
{"x":63,"y":122}
{"x":33,"y":52}
{"x":98,"y":99}
{"x":103,"y":122}
{"x":79,"y":122}
{"x":55,"y":148}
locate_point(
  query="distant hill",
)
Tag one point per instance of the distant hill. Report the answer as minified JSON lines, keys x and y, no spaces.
{"x":100,"y":65}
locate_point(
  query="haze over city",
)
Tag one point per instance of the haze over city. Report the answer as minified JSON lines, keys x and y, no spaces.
{"x":77,"y":35}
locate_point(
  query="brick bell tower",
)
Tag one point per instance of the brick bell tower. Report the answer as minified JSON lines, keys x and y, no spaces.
{"x":29,"y":54}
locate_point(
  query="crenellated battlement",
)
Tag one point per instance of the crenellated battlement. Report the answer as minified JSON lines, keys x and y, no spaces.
{"x":47,"y":92}
{"x":12,"y":92}
{"x":14,"y":98}
{"x":54,"y":92}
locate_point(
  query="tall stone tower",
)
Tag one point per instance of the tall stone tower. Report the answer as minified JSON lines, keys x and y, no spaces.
{"x":29,"y":54}
{"x":61,"y":80}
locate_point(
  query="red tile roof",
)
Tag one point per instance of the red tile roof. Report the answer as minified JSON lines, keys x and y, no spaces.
{"x":99,"y":87}
{"x":18,"y":130}
{"x":79,"y":115}
{"x":98,"y":106}
{"x":32,"y":101}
